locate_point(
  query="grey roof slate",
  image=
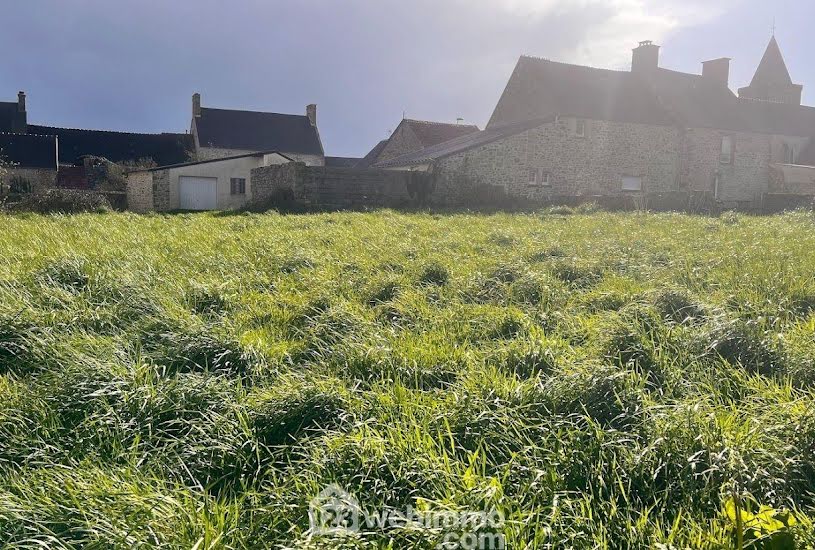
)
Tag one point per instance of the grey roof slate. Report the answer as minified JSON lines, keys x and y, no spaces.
{"x":257,"y":131}
{"x":118,"y":146}
{"x":29,"y":150}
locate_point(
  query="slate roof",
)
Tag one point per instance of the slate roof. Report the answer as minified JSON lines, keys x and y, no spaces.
{"x":544,"y":88}
{"x":433,"y":133}
{"x":541,"y":88}
{"x":772,"y":70}
{"x":369,"y":159}
{"x":342,"y":162}
{"x":118,"y":146}
{"x":464,"y":143}
{"x":11,"y":119}
{"x":256,"y":131}
{"x":29,"y":151}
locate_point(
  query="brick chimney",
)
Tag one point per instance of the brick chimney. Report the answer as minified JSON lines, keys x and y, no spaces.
{"x":645,"y":58}
{"x":21,"y":102}
{"x":717,"y":71}
{"x":311,"y":113}
{"x":196,"y":105}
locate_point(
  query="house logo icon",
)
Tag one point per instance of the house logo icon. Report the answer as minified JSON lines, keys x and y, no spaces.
{"x":334,"y":512}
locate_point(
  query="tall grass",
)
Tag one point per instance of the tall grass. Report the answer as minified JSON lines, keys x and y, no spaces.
{"x":604,"y":380}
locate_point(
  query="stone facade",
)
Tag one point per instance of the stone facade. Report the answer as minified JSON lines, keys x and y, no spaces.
{"x":402,"y":142}
{"x":592,"y":164}
{"x":339,"y":188}
{"x":792,"y":179}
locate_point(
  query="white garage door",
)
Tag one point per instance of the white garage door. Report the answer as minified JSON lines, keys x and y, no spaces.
{"x":197,"y":193}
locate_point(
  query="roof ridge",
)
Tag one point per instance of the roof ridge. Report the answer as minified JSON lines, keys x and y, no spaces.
{"x":435,"y":123}
{"x":107,"y":131}
{"x":27,"y":135}
{"x":563,"y":63}
{"x":252,"y":112}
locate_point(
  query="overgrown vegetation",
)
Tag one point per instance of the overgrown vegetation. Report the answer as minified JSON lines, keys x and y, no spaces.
{"x":602,"y":380}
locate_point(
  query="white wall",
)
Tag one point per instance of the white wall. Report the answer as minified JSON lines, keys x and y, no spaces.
{"x":224,"y":171}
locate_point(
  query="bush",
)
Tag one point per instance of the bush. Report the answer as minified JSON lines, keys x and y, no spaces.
{"x":61,"y":201}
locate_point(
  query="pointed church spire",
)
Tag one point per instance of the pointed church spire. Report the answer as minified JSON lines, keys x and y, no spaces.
{"x":772,"y":81}
{"x":773,"y":69}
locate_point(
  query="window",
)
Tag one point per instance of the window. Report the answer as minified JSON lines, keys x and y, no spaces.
{"x":726,"y":155}
{"x":789,"y":154}
{"x":538,"y":176}
{"x":632,"y":183}
{"x":580,"y":128}
{"x":238,"y":186}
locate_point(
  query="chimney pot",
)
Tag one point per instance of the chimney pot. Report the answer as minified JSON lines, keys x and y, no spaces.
{"x":21,"y":102}
{"x":311,"y":113}
{"x":717,"y":71}
{"x":645,"y":58}
{"x":196,"y":105}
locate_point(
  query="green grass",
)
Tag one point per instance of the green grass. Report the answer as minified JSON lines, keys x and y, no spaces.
{"x":603,"y":380}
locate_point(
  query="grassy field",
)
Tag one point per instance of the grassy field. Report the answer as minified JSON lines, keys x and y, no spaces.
{"x":601,"y":380}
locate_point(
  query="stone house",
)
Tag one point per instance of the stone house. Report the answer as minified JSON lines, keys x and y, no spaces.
{"x":221,"y":133}
{"x":215,"y":184}
{"x":567,"y":130}
{"x":414,"y":135}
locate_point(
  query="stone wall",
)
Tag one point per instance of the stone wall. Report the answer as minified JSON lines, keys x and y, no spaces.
{"x":140,"y":192}
{"x":788,"y":178}
{"x":338,"y":188}
{"x":39,"y":179}
{"x":744,"y":180}
{"x":594,"y":164}
{"x":161,"y":190}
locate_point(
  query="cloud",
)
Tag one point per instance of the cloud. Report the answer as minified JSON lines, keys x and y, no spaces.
{"x":617,"y":25}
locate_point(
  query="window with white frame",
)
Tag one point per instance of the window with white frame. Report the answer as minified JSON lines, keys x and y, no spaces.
{"x":580,"y":127}
{"x":540,"y":177}
{"x":727,"y":150}
{"x":237,"y":186}
{"x":632,"y":183}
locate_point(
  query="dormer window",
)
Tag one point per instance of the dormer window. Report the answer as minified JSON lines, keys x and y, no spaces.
{"x":580,"y":128}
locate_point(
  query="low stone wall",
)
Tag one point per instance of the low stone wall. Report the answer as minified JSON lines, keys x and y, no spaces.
{"x":37,"y":180}
{"x":338,"y":188}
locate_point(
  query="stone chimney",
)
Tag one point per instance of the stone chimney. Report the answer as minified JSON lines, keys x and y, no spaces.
{"x":646,"y":57}
{"x":311,"y":113}
{"x":21,"y":102}
{"x":196,"y":105}
{"x":717,"y":71}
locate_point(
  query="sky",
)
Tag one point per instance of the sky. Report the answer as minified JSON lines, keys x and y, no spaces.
{"x":132,"y":65}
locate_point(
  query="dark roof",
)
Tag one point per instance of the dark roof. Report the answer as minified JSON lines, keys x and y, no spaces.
{"x":369,"y":159}
{"x":209,"y":161}
{"x":29,"y":151}
{"x":118,"y":146}
{"x":254,"y":131}
{"x":772,"y":70}
{"x":540,"y":88}
{"x":464,"y":143}
{"x":11,"y":119}
{"x":342,"y":162}
{"x":433,"y":133}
